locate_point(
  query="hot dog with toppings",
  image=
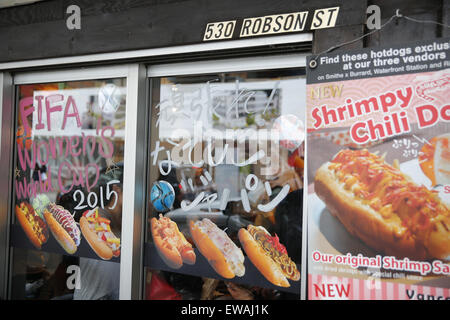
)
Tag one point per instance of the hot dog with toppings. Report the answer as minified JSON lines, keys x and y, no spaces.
{"x":97,"y":232}
{"x":32,"y":223}
{"x":383,"y":207}
{"x":268,"y":255}
{"x":171,"y":244}
{"x":220,"y":251}
{"x":63,"y":227}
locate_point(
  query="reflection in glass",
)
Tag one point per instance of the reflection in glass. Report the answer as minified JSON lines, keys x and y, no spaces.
{"x":231,"y":146}
{"x":68,"y":167}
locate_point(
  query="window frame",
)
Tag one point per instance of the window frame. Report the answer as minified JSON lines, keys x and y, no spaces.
{"x":135,"y":65}
{"x":133,"y":210}
{"x":254,"y":63}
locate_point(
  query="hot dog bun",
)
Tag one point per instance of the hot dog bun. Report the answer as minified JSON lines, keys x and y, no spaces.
{"x":28,"y":229}
{"x":383,"y":207}
{"x":188,"y":255}
{"x":220,"y":251}
{"x":98,"y":233}
{"x":265,"y":264}
{"x":60,"y":234}
{"x":32,"y":224}
{"x":99,"y":246}
{"x":170,"y":243}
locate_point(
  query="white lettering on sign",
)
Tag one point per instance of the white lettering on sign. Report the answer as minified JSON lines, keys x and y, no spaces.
{"x":289,"y":22}
{"x":219,"y":30}
{"x":74,"y":20}
{"x":324,"y":18}
{"x":74,"y":280}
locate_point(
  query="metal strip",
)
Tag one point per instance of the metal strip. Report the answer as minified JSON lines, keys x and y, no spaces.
{"x":228,"y":65}
{"x":71,"y":74}
{"x":133,"y":217}
{"x":6,"y":141}
{"x":304,"y":263}
{"x":12,"y":3}
{"x":136,"y":54}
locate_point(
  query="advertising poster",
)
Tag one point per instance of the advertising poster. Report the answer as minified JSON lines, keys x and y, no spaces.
{"x":378,"y":156}
{"x":226,"y":186}
{"x":68,"y":168}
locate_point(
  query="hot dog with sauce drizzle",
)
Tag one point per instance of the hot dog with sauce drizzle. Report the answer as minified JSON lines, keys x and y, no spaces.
{"x":383,"y":207}
{"x":63,"y":227}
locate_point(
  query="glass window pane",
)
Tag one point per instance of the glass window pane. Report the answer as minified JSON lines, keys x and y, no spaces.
{"x":226,"y":156}
{"x":68,"y":190}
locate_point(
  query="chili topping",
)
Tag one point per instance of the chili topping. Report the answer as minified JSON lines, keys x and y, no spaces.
{"x":37,"y":223}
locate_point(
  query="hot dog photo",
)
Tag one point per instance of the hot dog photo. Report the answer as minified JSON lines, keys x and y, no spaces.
{"x":171,"y":244}
{"x":97,"y":232}
{"x":63,"y":227}
{"x":226,"y":257}
{"x":32,"y":224}
{"x":268,"y":255}
{"x":378,"y":183}
{"x":216,"y":246}
{"x":60,"y":226}
{"x":43,"y":218}
{"x":382,"y":206}
{"x":225,"y":192}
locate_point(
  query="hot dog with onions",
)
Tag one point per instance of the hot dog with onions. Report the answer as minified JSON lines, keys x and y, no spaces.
{"x":268,"y":255}
{"x":97,"y":232}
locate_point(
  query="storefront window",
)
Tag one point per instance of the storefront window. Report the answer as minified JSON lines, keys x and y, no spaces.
{"x":69,"y":152}
{"x":225,"y":188}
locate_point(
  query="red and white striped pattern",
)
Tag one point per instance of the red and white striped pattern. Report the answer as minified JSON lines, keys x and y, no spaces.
{"x":325,"y":287}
